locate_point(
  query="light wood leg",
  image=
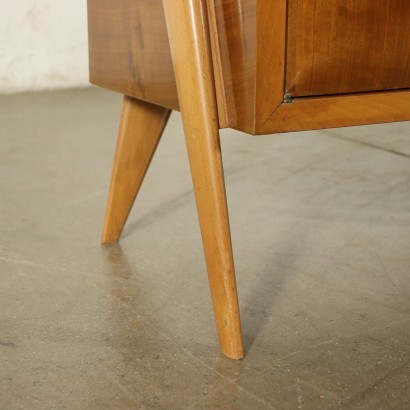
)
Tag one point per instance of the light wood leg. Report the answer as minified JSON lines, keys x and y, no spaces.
{"x":140,"y":130}
{"x":189,"y":39}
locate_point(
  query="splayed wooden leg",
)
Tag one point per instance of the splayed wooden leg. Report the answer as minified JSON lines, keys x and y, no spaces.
{"x":141,"y":127}
{"x":189,"y":39}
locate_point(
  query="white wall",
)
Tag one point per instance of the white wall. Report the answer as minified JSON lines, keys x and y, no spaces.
{"x":43,"y":44}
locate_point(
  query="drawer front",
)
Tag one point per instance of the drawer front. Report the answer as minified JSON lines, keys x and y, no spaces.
{"x":347,"y":46}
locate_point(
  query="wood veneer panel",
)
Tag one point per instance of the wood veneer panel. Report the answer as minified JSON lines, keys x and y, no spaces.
{"x":233,"y":39}
{"x":129,"y":50}
{"x":346,"y":46}
{"x":248,"y":40}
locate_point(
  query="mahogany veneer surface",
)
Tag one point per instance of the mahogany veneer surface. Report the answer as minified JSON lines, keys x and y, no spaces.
{"x":129,"y":50}
{"x":347,"y":46}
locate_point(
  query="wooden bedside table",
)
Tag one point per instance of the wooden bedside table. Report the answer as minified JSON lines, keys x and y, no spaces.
{"x":259,"y":66}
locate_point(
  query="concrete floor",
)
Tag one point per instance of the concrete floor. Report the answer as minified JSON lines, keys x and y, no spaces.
{"x":321,"y":234}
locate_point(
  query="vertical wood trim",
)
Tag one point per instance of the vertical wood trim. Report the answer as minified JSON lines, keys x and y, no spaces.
{"x":220,"y":86}
{"x":271,"y":58}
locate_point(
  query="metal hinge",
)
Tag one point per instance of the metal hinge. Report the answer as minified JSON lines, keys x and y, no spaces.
{"x":288,"y":98}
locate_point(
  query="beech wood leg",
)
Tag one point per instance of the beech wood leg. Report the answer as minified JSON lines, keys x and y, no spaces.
{"x":191,"y":55}
{"x":141,"y":127}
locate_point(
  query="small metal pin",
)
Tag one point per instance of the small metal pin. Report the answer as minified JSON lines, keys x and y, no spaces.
{"x":288,"y":98}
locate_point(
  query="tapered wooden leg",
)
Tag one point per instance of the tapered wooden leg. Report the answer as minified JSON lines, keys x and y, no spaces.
{"x":140,"y":130}
{"x":189,"y":38}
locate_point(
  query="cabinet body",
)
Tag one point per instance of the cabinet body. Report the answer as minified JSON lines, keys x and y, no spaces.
{"x":260,"y":66}
{"x":279,"y":65}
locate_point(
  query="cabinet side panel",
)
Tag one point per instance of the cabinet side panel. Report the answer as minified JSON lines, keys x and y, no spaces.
{"x":129,"y":50}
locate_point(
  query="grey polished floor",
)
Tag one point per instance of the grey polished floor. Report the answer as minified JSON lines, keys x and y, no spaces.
{"x":321,"y":234}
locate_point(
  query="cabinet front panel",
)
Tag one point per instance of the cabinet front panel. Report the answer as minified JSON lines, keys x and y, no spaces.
{"x":347,"y":46}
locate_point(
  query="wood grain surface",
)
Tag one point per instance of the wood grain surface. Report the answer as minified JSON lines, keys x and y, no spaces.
{"x":129,"y":50}
{"x":347,"y":46}
{"x":313,"y":113}
{"x":248,"y":40}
